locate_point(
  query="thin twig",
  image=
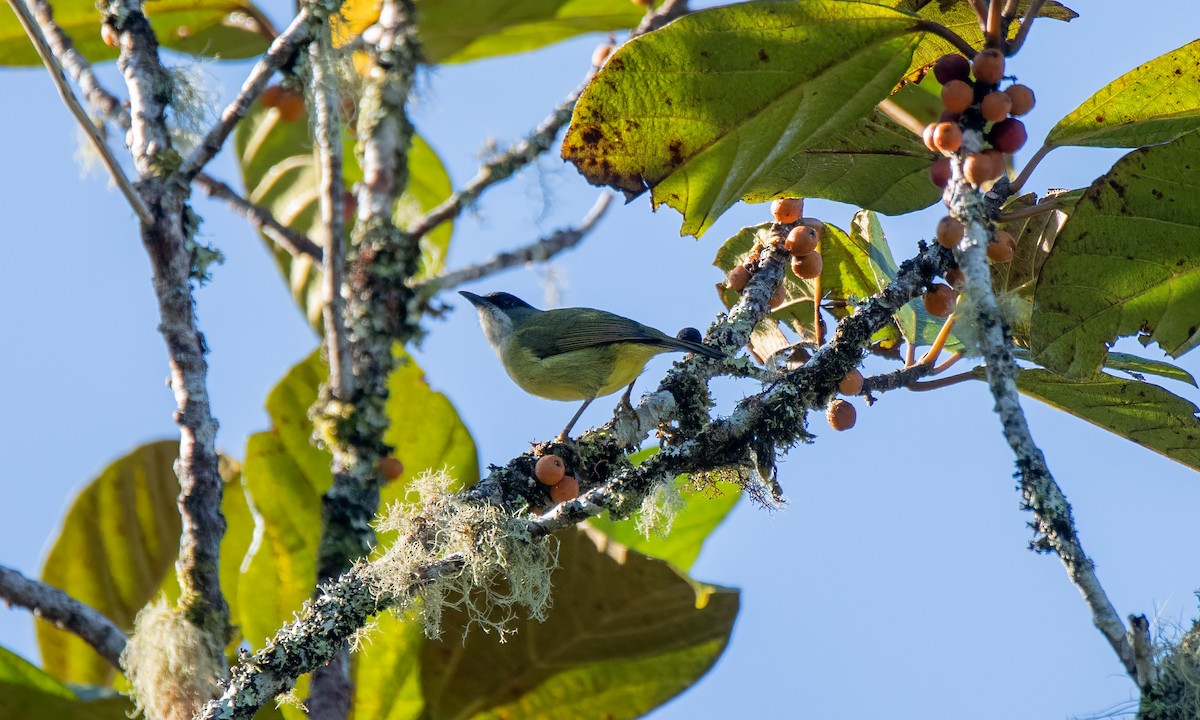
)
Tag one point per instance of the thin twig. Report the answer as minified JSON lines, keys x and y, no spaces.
{"x":1041,"y":494}
{"x":892,"y":109}
{"x":992,"y":33}
{"x":1035,"y":7}
{"x":944,"y":382}
{"x":1030,"y":166}
{"x":948,"y":35}
{"x":64,"y":612}
{"x":283,"y":49}
{"x":539,"y":251}
{"x":76,"y":66}
{"x":939,"y":342}
{"x":59,"y":76}
{"x":980,"y":12}
{"x":947,"y":363}
{"x":1048,"y":205}
{"x":294,"y":243}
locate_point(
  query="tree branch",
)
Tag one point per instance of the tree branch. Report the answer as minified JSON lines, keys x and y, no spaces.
{"x":64,"y":612}
{"x":1035,"y":6}
{"x":294,"y":243}
{"x":281,"y":51}
{"x":539,"y":251}
{"x":1041,"y":494}
{"x":58,"y":75}
{"x":76,"y":65}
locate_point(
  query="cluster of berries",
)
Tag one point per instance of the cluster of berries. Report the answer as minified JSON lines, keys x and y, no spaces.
{"x":981,"y":104}
{"x":802,"y":242}
{"x":841,"y":414}
{"x":552,"y":471}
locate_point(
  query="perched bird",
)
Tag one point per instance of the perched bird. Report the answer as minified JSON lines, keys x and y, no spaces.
{"x":571,"y":353}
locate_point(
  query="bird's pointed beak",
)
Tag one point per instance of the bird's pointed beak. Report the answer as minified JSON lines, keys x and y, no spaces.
{"x":475,"y":299}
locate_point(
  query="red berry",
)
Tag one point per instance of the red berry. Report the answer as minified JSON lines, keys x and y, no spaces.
{"x":787,"y":210}
{"x":951,"y":67}
{"x":564,"y":490}
{"x":995,"y":106}
{"x":290,"y":105}
{"x":940,"y":300}
{"x":955,"y":278}
{"x":852,"y":384}
{"x":777,"y":297}
{"x":801,"y":241}
{"x":550,"y":470}
{"x":949,"y":232}
{"x":1002,"y":248}
{"x":988,"y":66}
{"x":939,"y":171}
{"x":270,"y":96}
{"x":390,"y":468}
{"x":809,"y":266}
{"x":841,"y":415}
{"x":957,"y":96}
{"x":738,"y":277}
{"x":1022,"y":99}
{"x":1008,"y":136}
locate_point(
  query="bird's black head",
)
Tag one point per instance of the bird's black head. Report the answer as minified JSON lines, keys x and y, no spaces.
{"x":506,"y":301}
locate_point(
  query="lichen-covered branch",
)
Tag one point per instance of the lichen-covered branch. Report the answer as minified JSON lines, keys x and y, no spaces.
{"x":64,"y":612}
{"x":540,"y":251}
{"x":176,"y":259}
{"x":1041,"y":494}
{"x":282,"y":50}
{"x":76,"y":65}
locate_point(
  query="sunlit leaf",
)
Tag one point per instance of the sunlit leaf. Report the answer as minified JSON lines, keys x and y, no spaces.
{"x":280,"y":172}
{"x":1144,"y":413}
{"x":1153,"y":103}
{"x":717,"y":105}
{"x":625,"y":634}
{"x":229,"y":29}
{"x":29,"y":692}
{"x":1126,"y":262}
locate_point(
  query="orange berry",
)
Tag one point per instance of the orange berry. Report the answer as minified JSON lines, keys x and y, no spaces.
{"x":550,"y":470}
{"x":947,"y":137}
{"x":738,"y":277}
{"x":1008,"y":136}
{"x":801,"y":241}
{"x":1022,"y":99}
{"x":290,"y":105}
{"x":978,"y":169}
{"x":927,"y":136}
{"x":1002,"y":248}
{"x":270,"y":96}
{"x":841,"y":415}
{"x":777,"y":297}
{"x":109,"y":35}
{"x":809,"y":266}
{"x":852,"y":384}
{"x":940,"y":299}
{"x":787,"y":210}
{"x":996,"y":158}
{"x":949,"y":232}
{"x":957,"y":96}
{"x":817,"y":226}
{"x":600,"y":54}
{"x":955,"y":278}
{"x":939,"y":171}
{"x":988,"y":66}
{"x":566,"y":489}
{"x":951,"y":67}
{"x":995,"y":106}
{"x":390,"y":468}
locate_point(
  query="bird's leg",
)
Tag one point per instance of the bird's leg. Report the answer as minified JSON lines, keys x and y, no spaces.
{"x":564,"y":435}
{"x":625,"y":404}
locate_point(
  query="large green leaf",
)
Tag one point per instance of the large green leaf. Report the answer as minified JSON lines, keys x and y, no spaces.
{"x":1126,"y":262}
{"x":1152,"y":103}
{"x":626,"y":633}
{"x":706,"y":507}
{"x":280,"y":172}
{"x":29,"y":692}
{"x":716,"y":106}
{"x":230,"y":29}
{"x":959,"y":17}
{"x":117,"y":548}
{"x":286,"y":475}
{"x":1139,"y":411}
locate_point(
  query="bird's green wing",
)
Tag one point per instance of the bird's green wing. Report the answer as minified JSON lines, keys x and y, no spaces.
{"x":579,"y":328}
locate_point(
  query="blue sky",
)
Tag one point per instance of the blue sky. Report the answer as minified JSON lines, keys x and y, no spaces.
{"x":896,"y":582}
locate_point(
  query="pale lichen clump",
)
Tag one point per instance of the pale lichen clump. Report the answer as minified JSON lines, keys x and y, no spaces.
{"x":1014,"y":310}
{"x":171,"y":664}
{"x":1176,"y":693}
{"x":662,"y":504}
{"x":502,"y":567}
{"x":194,"y":94}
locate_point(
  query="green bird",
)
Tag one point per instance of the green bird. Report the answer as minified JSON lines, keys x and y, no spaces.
{"x":571,"y":353}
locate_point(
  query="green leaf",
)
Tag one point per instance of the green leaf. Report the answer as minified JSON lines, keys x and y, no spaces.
{"x":280,"y":172}
{"x":959,"y":17}
{"x":117,"y":549}
{"x":286,"y":475}
{"x":1127,"y":262}
{"x":1153,"y":103}
{"x":626,"y":633}
{"x":715,"y":106}
{"x":706,"y":507}
{"x":1136,"y":366}
{"x":1144,"y":413}
{"x":1035,"y":238}
{"x":29,"y":692}
{"x":230,"y":29}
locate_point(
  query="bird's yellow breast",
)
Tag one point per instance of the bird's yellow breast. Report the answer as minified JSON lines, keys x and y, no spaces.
{"x":580,"y":374}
